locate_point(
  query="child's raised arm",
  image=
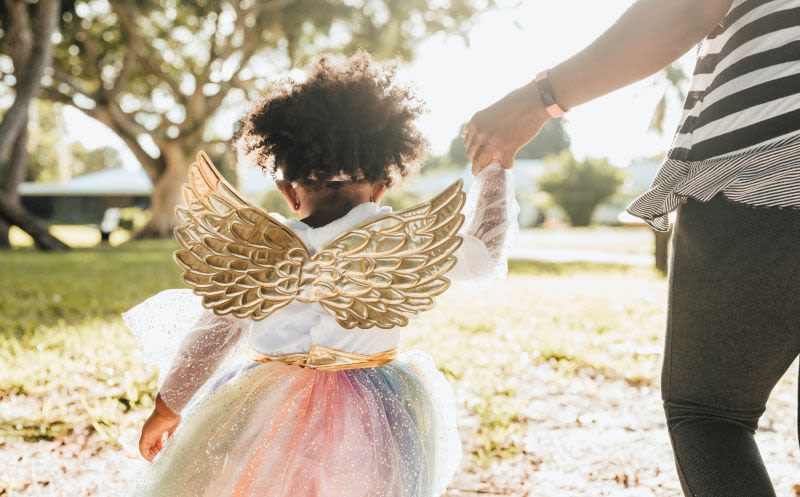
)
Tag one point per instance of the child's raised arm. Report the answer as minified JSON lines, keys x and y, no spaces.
{"x":490,"y":227}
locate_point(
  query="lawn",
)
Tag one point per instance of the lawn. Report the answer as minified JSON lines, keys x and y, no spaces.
{"x":557,"y":352}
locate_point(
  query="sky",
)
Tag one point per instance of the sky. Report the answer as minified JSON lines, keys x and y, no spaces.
{"x":505,"y":49}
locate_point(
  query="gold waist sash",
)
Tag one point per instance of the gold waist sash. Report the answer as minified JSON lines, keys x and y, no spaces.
{"x":326,"y":359}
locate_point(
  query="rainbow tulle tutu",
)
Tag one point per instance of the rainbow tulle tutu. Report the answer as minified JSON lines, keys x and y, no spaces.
{"x":277,"y":430}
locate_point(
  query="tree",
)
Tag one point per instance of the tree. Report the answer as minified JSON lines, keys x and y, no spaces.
{"x":438,"y":163}
{"x":551,"y":140}
{"x":52,"y":157}
{"x":85,"y":161}
{"x":49,"y":152}
{"x":579,"y":187}
{"x":27,"y":33}
{"x":458,"y":151}
{"x":156,"y":72}
{"x":672,"y":81}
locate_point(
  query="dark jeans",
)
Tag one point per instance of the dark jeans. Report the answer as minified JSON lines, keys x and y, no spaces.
{"x":733,"y":330}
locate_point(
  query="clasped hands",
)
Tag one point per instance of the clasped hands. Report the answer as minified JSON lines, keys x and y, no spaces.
{"x":496,"y":133}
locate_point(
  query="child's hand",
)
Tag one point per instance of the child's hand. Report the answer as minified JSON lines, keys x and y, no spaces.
{"x":157,"y":429}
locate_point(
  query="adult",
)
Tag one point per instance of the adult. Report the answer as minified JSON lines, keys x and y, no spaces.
{"x":733,"y":173}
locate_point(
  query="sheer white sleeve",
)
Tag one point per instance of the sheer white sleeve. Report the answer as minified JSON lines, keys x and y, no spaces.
{"x":189,"y":343}
{"x":490,"y":227}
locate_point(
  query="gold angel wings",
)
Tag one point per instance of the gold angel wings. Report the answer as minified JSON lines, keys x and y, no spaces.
{"x":243,"y":262}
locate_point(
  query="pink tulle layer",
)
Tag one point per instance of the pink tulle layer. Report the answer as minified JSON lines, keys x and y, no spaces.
{"x":274,"y":430}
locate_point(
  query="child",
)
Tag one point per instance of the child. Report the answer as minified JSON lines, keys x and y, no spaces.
{"x":320,"y":409}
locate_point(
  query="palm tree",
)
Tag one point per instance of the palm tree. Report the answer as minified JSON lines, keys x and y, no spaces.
{"x":672,"y":80}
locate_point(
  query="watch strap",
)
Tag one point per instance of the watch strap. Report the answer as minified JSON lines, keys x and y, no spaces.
{"x":546,"y":92}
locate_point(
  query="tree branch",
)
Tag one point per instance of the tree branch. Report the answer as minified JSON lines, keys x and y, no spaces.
{"x":19,"y":34}
{"x":202,"y":77}
{"x":31,"y":81}
{"x":153,"y":64}
{"x":93,"y":54}
{"x":104,"y":99}
{"x":128,"y":64}
{"x":13,"y":214}
{"x":125,"y":120}
{"x":64,"y":78}
{"x":200,"y":106}
{"x":151,"y":58}
{"x":152,"y":165}
{"x":107,"y":110}
{"x":240,"y":26}
{"x":54,"y":95}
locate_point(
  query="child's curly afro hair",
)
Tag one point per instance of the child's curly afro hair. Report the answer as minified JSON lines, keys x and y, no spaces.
{"x":350,"y":119}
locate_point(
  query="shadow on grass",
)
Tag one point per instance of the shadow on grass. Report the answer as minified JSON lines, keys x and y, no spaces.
{"x":532,"y":268}
{"x":35,"y":430}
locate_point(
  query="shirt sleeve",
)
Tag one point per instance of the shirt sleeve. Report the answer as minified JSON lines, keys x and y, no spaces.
{"x":201,"y":353}
{"x":187,"y":342}
{"x":490,"y":226}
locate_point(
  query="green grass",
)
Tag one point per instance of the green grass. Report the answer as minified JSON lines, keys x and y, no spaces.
{"x":539,"y":268}
{"x":70,"y":364}
{"x":44,"y":289}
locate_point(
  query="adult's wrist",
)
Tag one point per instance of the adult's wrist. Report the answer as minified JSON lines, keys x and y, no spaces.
{"x":559,"y":86}
{"x":535,"y":108}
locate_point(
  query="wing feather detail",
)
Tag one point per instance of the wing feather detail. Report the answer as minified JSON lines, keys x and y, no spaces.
{"x":244,"y":263}
{"x":388,"y":270}
{"x":240,"y":260}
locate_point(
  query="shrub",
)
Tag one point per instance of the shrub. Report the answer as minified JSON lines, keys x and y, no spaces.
{"x":579,"y":187}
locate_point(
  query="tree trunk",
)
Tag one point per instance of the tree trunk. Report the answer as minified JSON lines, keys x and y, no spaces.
{"x":166,"y":193}
{"x":14,"y":214}
{"x":662,"y":250}
{"x":580,"y":216}
{"x":14,"y":174}
{"x":30,"y":63}
{"x":5,"y":241}
{"x":29,"y":80}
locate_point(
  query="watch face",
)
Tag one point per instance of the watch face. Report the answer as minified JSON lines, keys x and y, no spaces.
{"x":547,"y":92}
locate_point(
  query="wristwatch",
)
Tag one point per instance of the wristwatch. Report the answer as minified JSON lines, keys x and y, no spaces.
{"x":546,"y":91}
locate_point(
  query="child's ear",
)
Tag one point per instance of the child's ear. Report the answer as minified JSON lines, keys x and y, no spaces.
{"x":378,"y":190}
{"x":289,"y":193}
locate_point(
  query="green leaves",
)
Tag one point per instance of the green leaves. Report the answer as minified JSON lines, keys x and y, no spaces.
{"x":163,"y":54}
{"x":579,"y":187}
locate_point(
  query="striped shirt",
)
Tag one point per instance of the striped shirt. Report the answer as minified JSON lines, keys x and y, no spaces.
{"x":740,"y":130}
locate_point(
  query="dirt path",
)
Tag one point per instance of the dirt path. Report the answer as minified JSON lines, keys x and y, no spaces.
{"x":582,"y":436}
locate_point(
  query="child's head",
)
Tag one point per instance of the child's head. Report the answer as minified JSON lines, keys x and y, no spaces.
{"x":342,"y":136}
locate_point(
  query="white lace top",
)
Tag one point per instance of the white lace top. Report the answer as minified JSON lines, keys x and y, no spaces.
{"x":190,"y":343}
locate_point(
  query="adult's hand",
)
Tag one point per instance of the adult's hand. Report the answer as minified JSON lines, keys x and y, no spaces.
{"x":650,"y":35}
{"x":496,"y":133}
